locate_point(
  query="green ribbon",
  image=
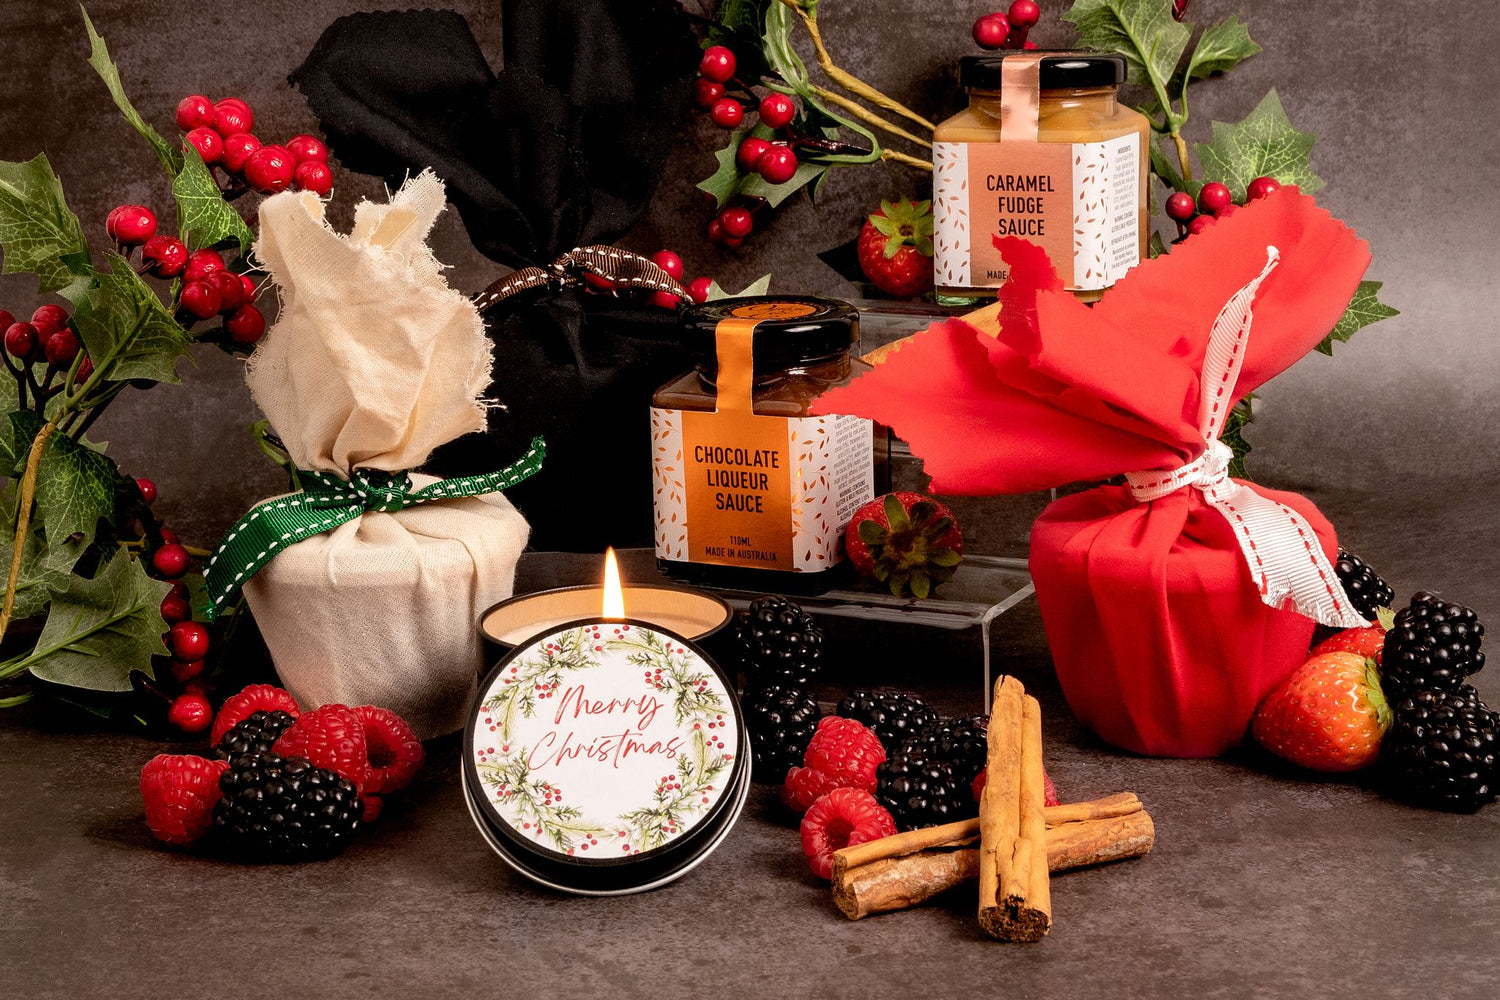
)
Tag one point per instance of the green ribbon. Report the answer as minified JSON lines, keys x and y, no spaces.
{"x":327,"y":501}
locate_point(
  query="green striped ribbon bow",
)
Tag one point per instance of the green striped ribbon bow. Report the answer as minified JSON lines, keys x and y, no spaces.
{"x":327,"y":501}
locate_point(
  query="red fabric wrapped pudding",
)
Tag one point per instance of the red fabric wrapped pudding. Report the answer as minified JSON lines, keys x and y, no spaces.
{"x":1175,"y":602}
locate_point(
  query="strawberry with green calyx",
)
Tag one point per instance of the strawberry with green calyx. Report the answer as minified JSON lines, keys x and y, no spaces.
{"x":907,"y":541}
{"x":1330,"y":715}
{"x":895,"y":248}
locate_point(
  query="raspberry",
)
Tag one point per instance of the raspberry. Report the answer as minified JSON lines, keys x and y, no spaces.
{"x":842,"y":818}
{"x":844,"y":753}
{"x":372,"y":804}
{"x":180,"y":792}
{"x":395,"y":753}
{"x":331,"y":737}
{"x":1049,"y":790}
{"x":255,"y":698}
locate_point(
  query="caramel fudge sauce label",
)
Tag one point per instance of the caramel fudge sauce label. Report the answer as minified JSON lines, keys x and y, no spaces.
{"x":736,"y":489}
{"x":1077,"y":201}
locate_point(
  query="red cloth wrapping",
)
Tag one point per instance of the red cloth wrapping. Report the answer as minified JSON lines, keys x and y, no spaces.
{"x":1162,"y":641}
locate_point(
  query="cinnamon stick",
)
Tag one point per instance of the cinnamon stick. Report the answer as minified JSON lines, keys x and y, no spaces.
{"x":1015,"y":899}
{"x":1000,"y":803}
{"x":900,"y":881}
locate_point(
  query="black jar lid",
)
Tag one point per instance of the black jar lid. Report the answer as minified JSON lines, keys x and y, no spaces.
{"x":790,"y":329}
{"x":1061,"y":69}
{"x":605,"y":757}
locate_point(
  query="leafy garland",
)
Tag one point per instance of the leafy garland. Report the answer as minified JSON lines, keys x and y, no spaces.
{"x":528,"y":678}
{"x":538,"y":803}
{"x":71,"y":551}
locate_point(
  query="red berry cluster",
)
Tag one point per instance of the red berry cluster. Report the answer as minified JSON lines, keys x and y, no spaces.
{"x":1008,"y":30}
{"x":670,"y":262}
{"x":220,"y":132}
{"x":1214,"y":201}
{"x":774,"y":159}
{"x":48,"y":339}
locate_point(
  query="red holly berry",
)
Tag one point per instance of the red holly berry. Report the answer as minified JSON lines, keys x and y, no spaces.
{"x":715,"y":231}
{"x":62,"y":348}
{"x":194,"y":111}
{"x":1024,"y":14}
{"x":47,"y":319}
{"x":232,"y":116}
{"x":718,"y":64}
{"x":179,"y":792}
{"x":839,"y":819}
{"x":1214,"y":198}
{"x":727,"y":113}
{"x":1179,"y":7}
{"x":131,"y":225}
{"x":669,"y":262}
{"x":736,"y":221}
{"x":1260,"y":187}
{"x":270,"y":169}
{"x":245,"y":325}
{"x":191,"y":712}
{"x":255,"y":698}
{"x":85,"y":369}
{"x":188,"y":640}
{"x":307,"y":147}
{"x":208,"y":143}
{"x":664,"y":300}
{"x":200,"y":263}
{"x":199,"y":299}
{"x":750,"y":152}
{"x":706,"y":92}
{"x":698,"y":289}
{"x":333,"y":737}
{"x":777,"y":110}
{"x":1200,"y":223}
{"x":231,"y":291}
{"x":314,"y":176}
{"x":394,"y":752}
{"x":170,"y":562}
{"x":777,"y":164}
{"x":184,"y":671}
{"x":164,"y":256}
{"x":21,"y":340}
{"x":237,"y":149}
{"x":1181,"y":207}
{"x":168,"y":535}
{"x":147,"y":488}
{"x":250,"y":290}
{"x":174,"y":609}
{"x":895,"y":248}
{"x":991,"y":30}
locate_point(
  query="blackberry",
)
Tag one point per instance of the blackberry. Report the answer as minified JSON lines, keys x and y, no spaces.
{"x":1363,"y":586}
{"x":781,"y":721}
{"x":920,"y":792}
{"x":894,"y":717}
{"x":1433,"y":644}
{"x":256,"y":734}
{"x":1442,"y":750}
{"x":777,"y":643}
{"x":284,"y":809}
{"x":962,"y":743}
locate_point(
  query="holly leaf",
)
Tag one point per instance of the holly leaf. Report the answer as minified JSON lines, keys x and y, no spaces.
{"x":1143,"y":31}
{"x":204,"y":218}
{"x":37,"y":231}
{"x":1363,"y":310}
{"x":45,"y":569}
{"x":99,"y":59}
{"x":124,"y":325}
{"x":724,"y":182}
{"x":756,"y":186}
{"x":730,"y":180}
{"x":761,"y":286}
{"x":1263,"y":145}
{"x":75,"y":487}
{"x":99,"y":630}
{"x":1220,"y":49}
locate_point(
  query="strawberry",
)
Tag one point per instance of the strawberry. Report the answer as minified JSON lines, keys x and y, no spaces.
{"x":895,"y":248}
{"x":907,"y":541}
{"x":1368,"y":641}
{"x":1328,"y":716}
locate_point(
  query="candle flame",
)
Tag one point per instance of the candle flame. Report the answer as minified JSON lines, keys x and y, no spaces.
{"x":614,"y":597}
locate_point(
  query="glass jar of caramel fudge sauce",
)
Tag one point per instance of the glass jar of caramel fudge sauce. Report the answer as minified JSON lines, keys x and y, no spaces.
{"x":1044,"y":152}
{"x":750,"y":491}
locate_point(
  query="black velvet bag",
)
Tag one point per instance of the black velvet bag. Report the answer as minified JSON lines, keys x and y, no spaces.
{"x":562,"y":148}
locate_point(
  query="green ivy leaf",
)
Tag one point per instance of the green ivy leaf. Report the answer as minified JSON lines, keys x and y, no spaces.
{"x":45,"y":569}
{"x":1221,"y":48}
{"x":124,"y":325}
{"x":99,"y":59}
{"x":1365,"y":308}
{"x":1263,"y":145}
{"x":761,"y":286}
{"x":101,"y":629}
{"x":38,"y":232}
{"x":1234,"y":435}
{"x":75,"y":487}
{"x":1143,"y":31}
{"x":1155,"y":247}
{"x":10,"y":402}
{"x":204,"y":218}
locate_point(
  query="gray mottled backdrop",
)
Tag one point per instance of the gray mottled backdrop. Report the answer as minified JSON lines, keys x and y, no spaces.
{"x":1404,"y":110}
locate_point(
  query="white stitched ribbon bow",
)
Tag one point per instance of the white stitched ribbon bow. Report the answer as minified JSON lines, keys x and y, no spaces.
{"x":1285,"y":559}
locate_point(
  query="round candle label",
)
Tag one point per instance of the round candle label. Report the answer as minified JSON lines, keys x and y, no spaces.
{"x":605,"y":740}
